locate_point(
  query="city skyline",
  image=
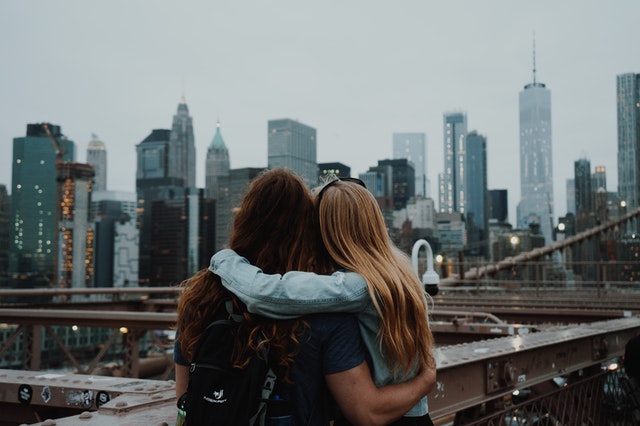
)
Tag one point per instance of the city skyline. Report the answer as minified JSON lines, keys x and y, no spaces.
{"x":381,"y":70}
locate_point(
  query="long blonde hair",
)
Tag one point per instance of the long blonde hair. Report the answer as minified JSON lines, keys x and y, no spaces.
{"x":354,"y":234}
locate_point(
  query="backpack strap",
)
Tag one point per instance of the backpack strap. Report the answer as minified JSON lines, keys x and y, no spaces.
{"x":232,"y":314}
{"x":267,"y":389}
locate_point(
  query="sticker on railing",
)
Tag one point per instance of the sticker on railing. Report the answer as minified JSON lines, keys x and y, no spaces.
{"x":46,"y":394}
{"x":102,"y":398}
{"x":25,"y":393}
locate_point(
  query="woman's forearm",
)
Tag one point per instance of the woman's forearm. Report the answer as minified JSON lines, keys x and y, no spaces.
{"x":364,"y":404}
{"x":290,"y":295}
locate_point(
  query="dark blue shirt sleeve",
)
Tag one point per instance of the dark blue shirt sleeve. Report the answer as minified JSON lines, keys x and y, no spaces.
{"x":343,"y":348}
{"x":178,"y":358}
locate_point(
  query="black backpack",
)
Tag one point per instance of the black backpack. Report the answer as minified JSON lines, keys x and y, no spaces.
{"x":218,"y":393}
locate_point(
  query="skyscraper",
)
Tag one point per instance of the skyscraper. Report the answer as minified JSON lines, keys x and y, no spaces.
{"x":477,"y":208}
{"x":583,"y":189}
{"x":77,"y":233}
{"x":153,"y":182}
{"x":571,"y":196}
{"x":498,"y":205}
{"x":116,"y":247}
{"x":628,"y":91}
{"x":182,"y":238}
{"x":402,"y":181}
{"x":452,"y":181}
{"x":292,"y":145}
{"x":217,"y":165}
{"x":599,"y":178}
{"x":4,"y":235}
{"x":33,"y":245}
{"x":536,"y":167}
{"x":412,"y":146}
{"x":182,"y":149}
{"x":97,"y":157}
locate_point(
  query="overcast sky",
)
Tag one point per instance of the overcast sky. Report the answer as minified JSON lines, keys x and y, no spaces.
{"x":356,"y":70}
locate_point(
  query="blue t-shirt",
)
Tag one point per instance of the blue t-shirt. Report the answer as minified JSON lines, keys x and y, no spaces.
{"x":331,"y":344}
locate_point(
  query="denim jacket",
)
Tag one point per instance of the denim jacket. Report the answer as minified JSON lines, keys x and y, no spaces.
{"x":295,"y":294}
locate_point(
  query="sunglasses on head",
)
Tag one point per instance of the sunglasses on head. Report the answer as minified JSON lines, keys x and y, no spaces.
{"x":344,"y":179}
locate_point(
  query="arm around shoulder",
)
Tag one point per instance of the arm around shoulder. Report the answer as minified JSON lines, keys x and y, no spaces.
{"x":292,"y":294}
{"x":362,"y":403}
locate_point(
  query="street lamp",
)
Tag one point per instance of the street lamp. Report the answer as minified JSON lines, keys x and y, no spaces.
{"x":514,"y":240}
{"x":430,"y":279}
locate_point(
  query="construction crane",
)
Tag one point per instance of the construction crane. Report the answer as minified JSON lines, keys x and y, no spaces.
{"x":58,"y":148}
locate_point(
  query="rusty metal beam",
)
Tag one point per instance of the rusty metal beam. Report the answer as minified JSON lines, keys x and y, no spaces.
{"x":93,"y":318}
{"x":51,"y":292}
{"x":468,"y":374}
{"x":478,"y":372}
{"x":117,"y":400}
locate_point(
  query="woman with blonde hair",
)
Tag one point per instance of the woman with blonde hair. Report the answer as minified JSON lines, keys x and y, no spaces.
{"x":391,"y":303}
{"x":273,"y":228}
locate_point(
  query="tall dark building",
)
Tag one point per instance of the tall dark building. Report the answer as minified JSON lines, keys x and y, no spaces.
{"x":498,"y":205}
{"x":403,"y":181}
{"x":182,"y":148}
{"x":585,"y":196}
{"x":183,"y":237}
{"x":583,"y":189}
{"x":4,"y":235}
{"x":153,"y":182}
{"x":477,"y":209}
{"x":33,"y":243}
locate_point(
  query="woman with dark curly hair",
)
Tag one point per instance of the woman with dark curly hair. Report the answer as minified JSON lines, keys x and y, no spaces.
{"x":315,"y":354}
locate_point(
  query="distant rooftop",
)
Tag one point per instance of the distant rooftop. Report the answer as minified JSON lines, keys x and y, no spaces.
{"x":158,"y":135}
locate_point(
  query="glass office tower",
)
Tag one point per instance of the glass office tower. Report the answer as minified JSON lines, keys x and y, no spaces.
{"x":628,"y":98}
{"x":452,"y":181}
{"x":412,"y":146}
{"x":536,"y":166}
{"x":292,"y":145}
{"x":33,"y":244}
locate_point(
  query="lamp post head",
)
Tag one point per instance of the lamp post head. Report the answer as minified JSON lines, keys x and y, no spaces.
{"x":430,"y":279}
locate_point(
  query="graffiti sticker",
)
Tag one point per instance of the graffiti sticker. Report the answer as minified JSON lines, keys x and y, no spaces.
{"x":81,"y":398}
{"x":102,"y":398}
{"x":24,"y":394}
{"x":46,"y":394}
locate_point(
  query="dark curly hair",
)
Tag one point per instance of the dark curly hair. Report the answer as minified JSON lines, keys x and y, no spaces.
{"x":274,"y":230}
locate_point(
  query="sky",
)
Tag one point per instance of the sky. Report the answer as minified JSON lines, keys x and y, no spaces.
{"x":356,"y":70}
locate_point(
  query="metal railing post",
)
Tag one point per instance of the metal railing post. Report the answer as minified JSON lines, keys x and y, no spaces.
{"x":32,"y":347}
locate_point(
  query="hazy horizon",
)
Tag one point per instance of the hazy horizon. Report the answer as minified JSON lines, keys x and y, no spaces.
{"x":357,"y":72}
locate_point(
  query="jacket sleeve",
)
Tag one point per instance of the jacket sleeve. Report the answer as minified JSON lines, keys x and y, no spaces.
{"x":291,"y":295}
